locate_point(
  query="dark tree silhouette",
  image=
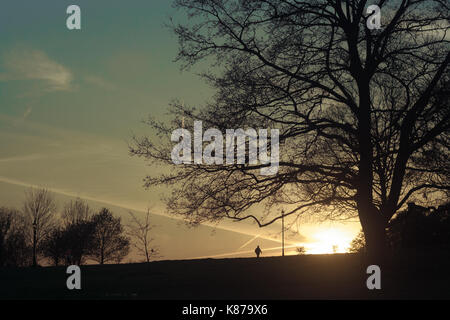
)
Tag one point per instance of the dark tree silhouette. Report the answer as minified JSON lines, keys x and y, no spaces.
{"x":5,"y":226}
{"x":109,"y":243}
{"x":300,"y":250}
{"x":14,"y":250}
{"x":140,"y":229}
{"x":363,"y":114}
{"x":416,"y":227}
{"x":358,"y":244}
{"x":420,"y":227}
{"x":81,"y":241}
{"x":39,"y":209}
{"x":54,"y":247}
{"x":71,"y":243}
{"x":441,"y":222}
{"x":78,"y":232}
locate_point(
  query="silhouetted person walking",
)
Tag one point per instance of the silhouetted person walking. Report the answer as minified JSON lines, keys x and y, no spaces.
{"x":258,"y":251}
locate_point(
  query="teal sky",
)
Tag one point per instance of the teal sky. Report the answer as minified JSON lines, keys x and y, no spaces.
{"x":69,"y":101}
{"x":118,"y":68}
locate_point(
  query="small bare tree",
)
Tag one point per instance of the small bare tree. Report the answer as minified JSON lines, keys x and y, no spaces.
{"x":39,"y":209}
{"x":300,"y":250}
{"x":140,"y":230}
{"x":335,"y":248}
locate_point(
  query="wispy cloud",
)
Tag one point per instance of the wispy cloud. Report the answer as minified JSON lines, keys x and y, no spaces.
{"x":30,"y":64}
{"x":99,"y":82}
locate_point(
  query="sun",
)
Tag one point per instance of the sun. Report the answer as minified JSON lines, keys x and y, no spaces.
{"x":330,"y":241}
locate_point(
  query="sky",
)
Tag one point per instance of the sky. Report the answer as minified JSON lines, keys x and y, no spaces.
{"x":70,"y":100}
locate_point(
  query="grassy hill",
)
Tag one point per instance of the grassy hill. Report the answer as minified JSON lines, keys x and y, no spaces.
{"x":423,"y":275}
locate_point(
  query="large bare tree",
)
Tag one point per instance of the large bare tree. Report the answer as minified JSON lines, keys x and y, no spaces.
{"x":363,"y":114}
{"x":39,"y":209}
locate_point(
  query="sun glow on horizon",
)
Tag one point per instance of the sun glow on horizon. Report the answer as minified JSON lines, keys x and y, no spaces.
{"x":329,"y":241}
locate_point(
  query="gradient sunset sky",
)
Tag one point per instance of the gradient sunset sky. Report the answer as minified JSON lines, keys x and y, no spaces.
{"x":70,"y":101}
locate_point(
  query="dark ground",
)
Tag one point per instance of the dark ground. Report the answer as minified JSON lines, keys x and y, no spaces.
{"x":423,"y":275}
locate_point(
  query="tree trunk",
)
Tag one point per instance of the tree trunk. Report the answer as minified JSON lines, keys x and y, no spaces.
{"x":374,"y":228}
{"x":34,"y":247}
{"x":372,"y":221}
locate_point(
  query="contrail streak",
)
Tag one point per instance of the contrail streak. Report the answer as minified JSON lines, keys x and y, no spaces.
{"x":246,"y":243}
{"x":122,"y":206}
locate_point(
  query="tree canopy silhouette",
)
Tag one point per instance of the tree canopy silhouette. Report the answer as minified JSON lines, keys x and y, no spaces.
{"x":71,"y":243}
{"x":363,"y":114}
{"x":416,"y":227}
{"x":109,"y":242}
{"x":14,"y":249}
